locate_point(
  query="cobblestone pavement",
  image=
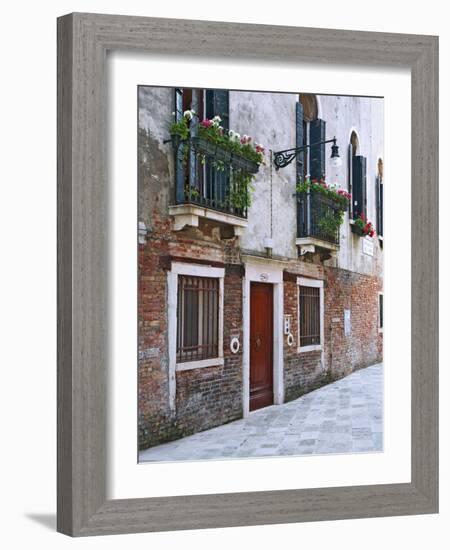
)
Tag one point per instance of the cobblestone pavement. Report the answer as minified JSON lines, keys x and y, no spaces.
{"x":343,"y":417}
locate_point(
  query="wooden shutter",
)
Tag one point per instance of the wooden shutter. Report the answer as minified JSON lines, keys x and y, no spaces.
{"x":379,"y":194}
{"x":350,"y":179}
{"x":217,"y":182}
{"x":359,"y":192}
{"x":299,"y":136}
{"x":317,"y":132}
{"x":179,"y":163}
{"x":217,"y":103}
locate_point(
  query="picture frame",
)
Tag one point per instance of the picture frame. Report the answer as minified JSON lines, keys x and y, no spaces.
{"x":83,"y":507}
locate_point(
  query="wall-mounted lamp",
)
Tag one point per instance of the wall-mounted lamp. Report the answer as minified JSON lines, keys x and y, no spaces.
{"x":283,"y":158}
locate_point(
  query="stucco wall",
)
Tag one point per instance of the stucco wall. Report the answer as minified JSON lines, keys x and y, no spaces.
{"x":270,"y":119}
{"x":365,"y":116}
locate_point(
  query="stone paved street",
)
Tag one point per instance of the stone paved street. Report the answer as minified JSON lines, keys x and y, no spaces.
{"x":343,"y":417}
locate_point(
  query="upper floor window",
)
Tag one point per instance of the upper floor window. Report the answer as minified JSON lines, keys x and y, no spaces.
{"x":310,"y":129}
{"x":357,"y":171}
{"x":197,"y":180}
{"x":379,"y":197}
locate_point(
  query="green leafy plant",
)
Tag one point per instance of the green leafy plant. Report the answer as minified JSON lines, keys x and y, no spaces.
{"x":331,"y":221}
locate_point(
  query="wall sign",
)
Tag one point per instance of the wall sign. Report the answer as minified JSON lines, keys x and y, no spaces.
{"x":367,"y":246}
{"x":347,"y":322}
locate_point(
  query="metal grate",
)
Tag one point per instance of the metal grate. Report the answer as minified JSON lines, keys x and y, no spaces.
{"x":197,"y":318}
{"x":309,"y":316}
{"x":206,"y":183}
{"x":312,"y":208}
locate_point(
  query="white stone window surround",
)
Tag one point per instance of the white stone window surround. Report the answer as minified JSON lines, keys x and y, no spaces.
{"x":193,"y":270}
{"x":316,"y":283}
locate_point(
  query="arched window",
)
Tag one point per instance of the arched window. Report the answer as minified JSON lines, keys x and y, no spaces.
{"x":310,"y":110}
{"x":310,"y":129}
{"x":354,"y":143}
{"x":357,"y":180}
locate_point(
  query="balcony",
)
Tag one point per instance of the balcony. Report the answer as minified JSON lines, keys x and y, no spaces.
{"x":314,"y":234}
{"x":206,"y":186}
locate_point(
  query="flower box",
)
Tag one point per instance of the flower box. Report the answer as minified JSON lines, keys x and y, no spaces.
{"x":357,"y":230}
{"x":209,"y":148}
{"x":362,"y":227}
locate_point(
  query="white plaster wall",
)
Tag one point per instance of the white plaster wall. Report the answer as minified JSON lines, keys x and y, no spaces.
{"x":344,"y":114}
{"x":270,"y":119}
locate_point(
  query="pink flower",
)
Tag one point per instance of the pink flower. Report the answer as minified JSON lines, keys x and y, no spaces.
{"x":206,"y":123}
{"x":259,"y":148}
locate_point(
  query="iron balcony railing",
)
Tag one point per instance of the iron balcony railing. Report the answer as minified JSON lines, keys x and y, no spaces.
{"x":313,"y":209}
{"x":205,"y":177}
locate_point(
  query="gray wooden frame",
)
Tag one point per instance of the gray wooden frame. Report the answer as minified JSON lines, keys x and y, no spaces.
{"x":83,"y":40}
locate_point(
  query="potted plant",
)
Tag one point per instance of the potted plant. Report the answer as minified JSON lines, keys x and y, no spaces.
{"x":362,"y":227}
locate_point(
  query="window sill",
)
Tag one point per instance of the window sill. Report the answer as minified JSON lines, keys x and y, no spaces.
{"x":189,"y":365}
{"x":305,"y":349}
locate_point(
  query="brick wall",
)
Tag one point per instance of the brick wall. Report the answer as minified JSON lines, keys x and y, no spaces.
{"x":342,"y":353}
{"x":363,"y":346}
{"x":205,"y":397}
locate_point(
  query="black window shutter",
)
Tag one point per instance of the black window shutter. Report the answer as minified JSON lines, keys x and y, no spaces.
{"x":217,"y":103}
{"x":359,"y":191}
{"x":217,"y":182}
{"x":299,"y":141}
{"x":317,"y":132}
{"x":379,"y":205}
{"x":179,"y":163}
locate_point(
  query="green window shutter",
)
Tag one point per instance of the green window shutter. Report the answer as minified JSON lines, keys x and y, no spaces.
{"x":217,"y":103}
{"x":317,"y":132}
{"x":299,"y":141}
{"x":179,"y":164}
{"x":359,"y":184}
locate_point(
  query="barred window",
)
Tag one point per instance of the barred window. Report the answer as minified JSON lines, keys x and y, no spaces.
{"x":309,"y":298}
{"x":197,"y":318}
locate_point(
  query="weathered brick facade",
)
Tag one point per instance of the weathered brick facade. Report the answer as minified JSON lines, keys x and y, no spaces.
{"x":342,"y":353}
{"x":204,"y":397}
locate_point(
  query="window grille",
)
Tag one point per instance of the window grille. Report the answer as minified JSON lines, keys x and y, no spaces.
{"x":197,"y":318}
{"x":309,"y":316}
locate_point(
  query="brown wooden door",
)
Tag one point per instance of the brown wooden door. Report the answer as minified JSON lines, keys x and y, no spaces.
{"x":261,"y":345}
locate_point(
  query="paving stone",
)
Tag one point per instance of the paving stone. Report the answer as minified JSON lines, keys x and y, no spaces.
{"x":343,"y":417}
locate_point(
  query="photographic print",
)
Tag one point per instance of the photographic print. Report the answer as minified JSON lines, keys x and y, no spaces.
{"x":260,"y":277}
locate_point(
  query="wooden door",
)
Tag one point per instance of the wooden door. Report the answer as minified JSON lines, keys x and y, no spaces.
{"x":261,"y":345}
